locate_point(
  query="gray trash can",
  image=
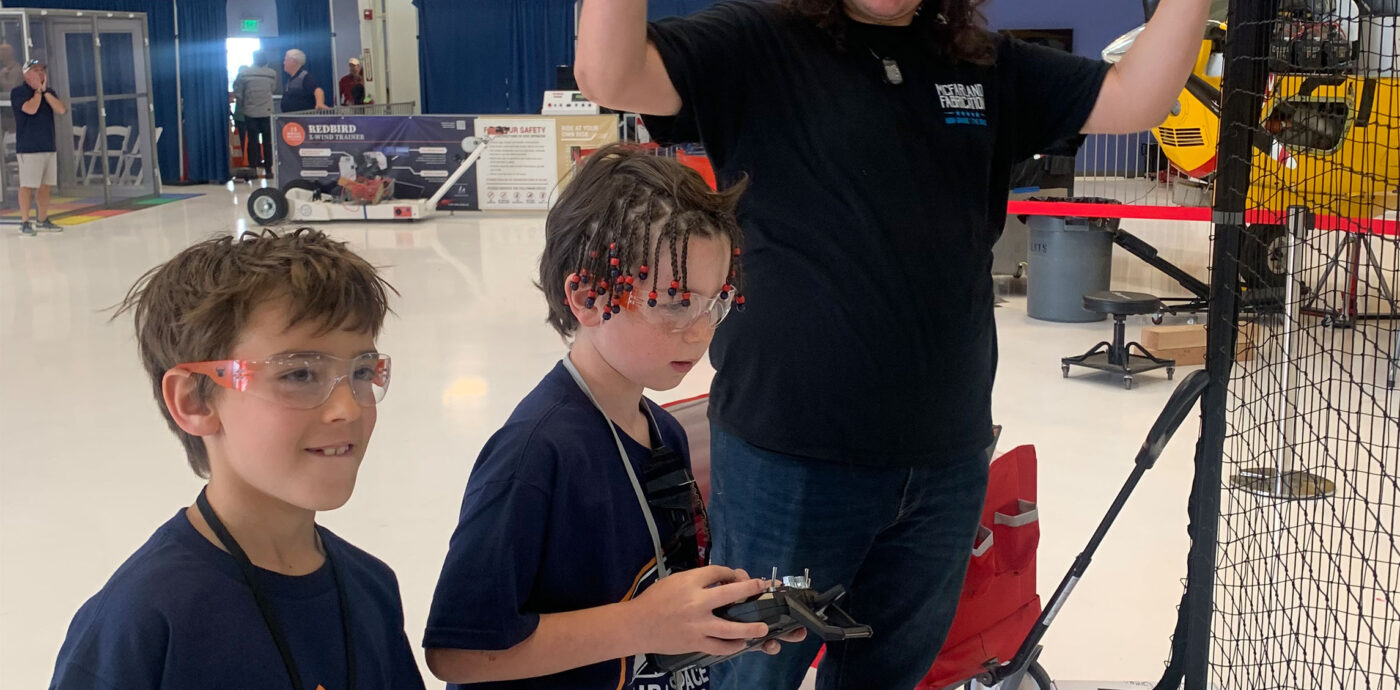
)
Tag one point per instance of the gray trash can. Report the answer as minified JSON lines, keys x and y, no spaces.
{"x":1069,"y":257}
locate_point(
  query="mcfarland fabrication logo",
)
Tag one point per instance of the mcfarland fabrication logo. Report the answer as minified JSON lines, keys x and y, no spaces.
{"x":963,"y":104}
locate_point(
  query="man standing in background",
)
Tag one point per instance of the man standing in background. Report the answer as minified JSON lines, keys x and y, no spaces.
{"x":252,"y":93}
{"x":35,"y":105}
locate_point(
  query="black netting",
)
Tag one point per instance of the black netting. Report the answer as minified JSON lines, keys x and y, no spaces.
{"x":1306,"y":587}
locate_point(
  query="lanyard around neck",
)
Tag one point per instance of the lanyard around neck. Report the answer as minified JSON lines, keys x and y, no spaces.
{"x":661,"y":570}
{"x":274,"y":627}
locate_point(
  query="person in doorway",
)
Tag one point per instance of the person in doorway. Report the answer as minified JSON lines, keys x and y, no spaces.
{"x":11,"y":71}
{"x":11,"y":75}
{"x":852,"y":438}
{"x":254,"y":88}
{"x":300,"y":91}
{"x":35,"y":105}
{"x":352,"y":85}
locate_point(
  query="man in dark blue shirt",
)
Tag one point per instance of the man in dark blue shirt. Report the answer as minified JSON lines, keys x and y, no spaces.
{"x":34,"y":105}
{"x":301,"y":92}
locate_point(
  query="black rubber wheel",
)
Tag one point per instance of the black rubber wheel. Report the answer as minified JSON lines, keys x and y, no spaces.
{"x":1157,"y":319}
{"x":1035,"y":679}
{"x":1038,"y":679}
{"x":1264,"y":257}
{"x":267,"y":206}
{"x":1064,"y":369}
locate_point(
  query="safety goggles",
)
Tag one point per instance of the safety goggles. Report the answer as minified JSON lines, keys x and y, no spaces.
{"x":301,"y":381}
{"x":677,"y":314}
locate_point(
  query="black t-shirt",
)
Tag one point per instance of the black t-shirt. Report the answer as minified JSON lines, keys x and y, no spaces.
{"x":550,"y":523}
{"x":870,"y":220}
{"x":33,"y":133}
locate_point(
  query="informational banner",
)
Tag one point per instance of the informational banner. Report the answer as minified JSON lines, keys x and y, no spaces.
{"x":521,"y":169}
{"x":521,"y":166}
{"x":418,"y":151}
{"x":581,"y":134}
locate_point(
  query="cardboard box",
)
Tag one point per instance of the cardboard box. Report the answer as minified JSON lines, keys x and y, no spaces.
{"x":1173,"y":337}
{"x":1183,"y":356}
{"x":1193,"y":353}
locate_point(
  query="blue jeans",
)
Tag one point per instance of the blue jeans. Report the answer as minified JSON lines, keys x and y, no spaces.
{"x":898,"y":540}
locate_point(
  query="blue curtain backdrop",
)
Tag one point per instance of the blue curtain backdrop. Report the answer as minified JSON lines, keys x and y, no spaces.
{"x":204,"y":87}
{"x":160,"y":28}
{"x":306,"y":26}
{"x":500,"y":56}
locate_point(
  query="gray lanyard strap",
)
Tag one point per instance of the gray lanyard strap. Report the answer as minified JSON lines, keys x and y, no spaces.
{"x":661,"y":570}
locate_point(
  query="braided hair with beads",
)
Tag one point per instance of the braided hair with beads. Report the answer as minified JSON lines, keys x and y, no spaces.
{"x":623,"y":213}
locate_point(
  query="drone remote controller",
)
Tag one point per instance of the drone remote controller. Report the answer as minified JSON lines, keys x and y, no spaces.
{"x":785,"y":608}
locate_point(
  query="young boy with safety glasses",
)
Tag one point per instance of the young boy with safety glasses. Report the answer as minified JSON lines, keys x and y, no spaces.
{"x":261,"y":353}
{"x":581,"y":545}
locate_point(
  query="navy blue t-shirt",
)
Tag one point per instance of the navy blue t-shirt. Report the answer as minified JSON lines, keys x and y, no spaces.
{"x":550,"y":523}
{"x":177,"y":614}
{"x":33,"y":133}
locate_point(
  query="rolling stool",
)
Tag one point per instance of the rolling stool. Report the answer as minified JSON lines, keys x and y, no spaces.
{"x":1116,"y":357}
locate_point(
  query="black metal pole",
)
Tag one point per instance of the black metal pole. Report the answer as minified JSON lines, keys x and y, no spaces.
{"x":1246,"y":78}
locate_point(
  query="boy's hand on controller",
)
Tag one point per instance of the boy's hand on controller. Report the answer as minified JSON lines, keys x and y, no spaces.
{"x":676,"y":615}
{"x":772,"y":647}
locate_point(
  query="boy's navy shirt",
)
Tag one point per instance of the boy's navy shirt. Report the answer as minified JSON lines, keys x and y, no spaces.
{"x":177,"y":614}
{"x":550,"y":523}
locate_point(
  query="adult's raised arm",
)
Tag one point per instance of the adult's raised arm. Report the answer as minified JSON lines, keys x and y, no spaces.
{"x":616,"y":65}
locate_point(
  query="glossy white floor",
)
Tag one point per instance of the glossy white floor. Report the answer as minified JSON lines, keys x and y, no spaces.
{"x":88,"y":470}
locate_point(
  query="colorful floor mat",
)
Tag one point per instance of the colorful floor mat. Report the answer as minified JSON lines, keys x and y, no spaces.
{"x":67,"y":211}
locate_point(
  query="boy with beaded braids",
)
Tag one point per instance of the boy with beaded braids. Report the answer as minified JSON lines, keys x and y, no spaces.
{"x":578,"y":511}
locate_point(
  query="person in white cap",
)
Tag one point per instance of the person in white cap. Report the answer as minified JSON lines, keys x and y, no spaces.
{"x":34,"y":105}
{"x":352,"y":85}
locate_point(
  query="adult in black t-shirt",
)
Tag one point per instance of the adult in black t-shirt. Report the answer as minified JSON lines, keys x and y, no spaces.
{"x":851,"y":407}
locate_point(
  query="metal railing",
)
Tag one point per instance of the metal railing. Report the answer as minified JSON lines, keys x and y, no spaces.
{"x":405,"y":108}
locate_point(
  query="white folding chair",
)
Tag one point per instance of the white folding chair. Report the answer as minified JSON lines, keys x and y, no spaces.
{"x":129,"y":173}
{"x":112,"y":161}
{"x":79,"y":138}
{"x":11,"y":159}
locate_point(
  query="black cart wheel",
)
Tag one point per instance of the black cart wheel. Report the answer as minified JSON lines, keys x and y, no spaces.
{"x":1035,"y":679}
{"x":267,"y":206}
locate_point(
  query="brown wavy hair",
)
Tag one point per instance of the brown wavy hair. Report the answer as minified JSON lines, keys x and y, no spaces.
{"x":956,"y":28}
{"x":194,"y":307}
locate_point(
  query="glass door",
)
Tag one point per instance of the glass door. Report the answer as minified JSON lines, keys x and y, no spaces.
{"x":68,"y":45}
{"x":129,"y":164}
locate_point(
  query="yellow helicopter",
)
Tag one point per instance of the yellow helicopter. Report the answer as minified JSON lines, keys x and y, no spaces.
{"x":1328,"y":137}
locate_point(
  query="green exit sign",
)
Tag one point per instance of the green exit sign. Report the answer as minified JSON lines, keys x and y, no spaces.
{"x":250,"y":26}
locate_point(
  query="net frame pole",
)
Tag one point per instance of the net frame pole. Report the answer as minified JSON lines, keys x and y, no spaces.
{"x":1244,"y":82}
